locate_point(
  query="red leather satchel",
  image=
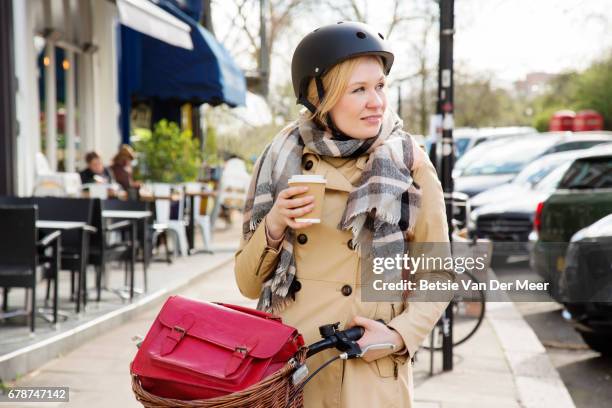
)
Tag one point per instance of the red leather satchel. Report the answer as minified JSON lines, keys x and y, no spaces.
{"x":201,"y":350}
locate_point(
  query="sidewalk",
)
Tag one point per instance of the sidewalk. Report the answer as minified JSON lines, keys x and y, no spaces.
{"x":502,"y":365}
{"x":21,"y":352}
{"x":98,"y":373}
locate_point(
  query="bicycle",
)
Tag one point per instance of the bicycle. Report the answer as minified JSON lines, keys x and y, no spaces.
{"x":468,"y":315}
{"x":284,"y":388}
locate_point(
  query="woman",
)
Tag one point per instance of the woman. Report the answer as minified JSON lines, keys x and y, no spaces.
{"x":381,"y":191}
{"x":122,"y":168}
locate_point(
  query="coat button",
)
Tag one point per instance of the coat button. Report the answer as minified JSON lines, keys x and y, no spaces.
{"x":308,"y":165}
{"x":349,"y":244}
{"x":347,"y":290}
{"x":302,"y":239}
{"x":296,"y":285}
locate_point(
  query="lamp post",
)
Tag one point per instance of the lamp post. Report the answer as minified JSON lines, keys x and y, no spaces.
{"x":8,"y":124}
{"x":445,"y":149}
{"x":399,"y":100}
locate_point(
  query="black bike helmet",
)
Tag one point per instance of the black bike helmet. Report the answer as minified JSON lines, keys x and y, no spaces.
{"x":327,"y":46}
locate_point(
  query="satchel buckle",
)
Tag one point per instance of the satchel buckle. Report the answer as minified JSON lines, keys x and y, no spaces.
{"x":180,"y":330}
{"x":241,"y":350}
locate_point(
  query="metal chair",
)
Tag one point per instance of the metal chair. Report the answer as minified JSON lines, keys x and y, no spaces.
{"x":144,"y":235}
{"x":112,"y":241}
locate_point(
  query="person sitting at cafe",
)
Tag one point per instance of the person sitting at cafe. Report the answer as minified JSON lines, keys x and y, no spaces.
{"x":122,"y":168}
{"x":95,"y":171}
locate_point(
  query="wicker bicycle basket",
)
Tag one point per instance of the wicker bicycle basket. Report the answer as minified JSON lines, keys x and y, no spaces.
{"x":275,"y":391}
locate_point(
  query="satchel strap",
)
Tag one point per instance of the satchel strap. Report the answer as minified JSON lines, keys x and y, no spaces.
{"x":177,"y":333}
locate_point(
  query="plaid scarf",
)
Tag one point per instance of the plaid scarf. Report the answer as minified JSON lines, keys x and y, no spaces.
{"x":381,"y":207}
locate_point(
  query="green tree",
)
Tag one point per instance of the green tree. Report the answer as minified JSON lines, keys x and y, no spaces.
{"x":211,"y":152}
{"x":168,"y":154}
{"x":594,"y":89}
{"x":590,"y":89}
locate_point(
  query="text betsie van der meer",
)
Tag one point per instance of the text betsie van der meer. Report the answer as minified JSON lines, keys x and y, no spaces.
{"x":457,"y":264}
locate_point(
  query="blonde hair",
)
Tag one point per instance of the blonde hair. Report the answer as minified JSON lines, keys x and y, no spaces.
{"x":335,"y":81}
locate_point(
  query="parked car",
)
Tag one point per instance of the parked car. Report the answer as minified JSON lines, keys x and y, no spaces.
{"x":585,"y":284}
{"x":466,"y":138}
{"x":499,"y":161}
{"x":504,"y":214}
{"x":583,"y":196}
{"x":525,"y":181}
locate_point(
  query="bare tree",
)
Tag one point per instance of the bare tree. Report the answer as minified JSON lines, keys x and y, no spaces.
{"x":355,"y":10}
{"x":244,"y":36}
{"x":425,"y":72}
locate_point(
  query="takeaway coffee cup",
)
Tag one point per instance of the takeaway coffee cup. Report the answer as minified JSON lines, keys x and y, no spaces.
{"x":316,"y":188}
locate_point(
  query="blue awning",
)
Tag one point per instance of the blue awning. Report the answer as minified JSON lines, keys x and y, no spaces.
{"x":150,"y":68}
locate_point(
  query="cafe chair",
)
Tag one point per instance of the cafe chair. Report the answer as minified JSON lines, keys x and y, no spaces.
{"x":202,"y":220}
{"x":163,"y":209}
{"x":19,"y":256}
{"x":144,"y":241}
{"x":113,"y":241}
{"x":75,"y":243}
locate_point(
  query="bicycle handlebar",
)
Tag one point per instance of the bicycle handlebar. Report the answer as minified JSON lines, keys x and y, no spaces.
{"x":343,"y":340}
{"x":336,"y":340}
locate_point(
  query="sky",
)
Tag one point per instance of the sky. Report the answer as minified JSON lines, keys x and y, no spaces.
{"x":514,"y":37}
{"x":505,"y":38}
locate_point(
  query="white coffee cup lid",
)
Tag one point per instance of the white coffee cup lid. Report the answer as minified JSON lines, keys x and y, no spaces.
{"x":307,"y":178}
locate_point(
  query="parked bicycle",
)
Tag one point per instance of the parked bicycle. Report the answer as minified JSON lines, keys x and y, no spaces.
{"x":468,"y":314}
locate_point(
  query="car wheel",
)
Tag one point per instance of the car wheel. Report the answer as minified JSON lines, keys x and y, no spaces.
{"x":598,"y":342}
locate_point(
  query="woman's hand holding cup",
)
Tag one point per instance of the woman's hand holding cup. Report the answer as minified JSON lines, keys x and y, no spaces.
{"x":286,"y":209}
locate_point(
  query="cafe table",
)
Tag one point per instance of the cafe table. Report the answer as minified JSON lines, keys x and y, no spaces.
{"x":137,"y":217}
{"x":55,"y":225}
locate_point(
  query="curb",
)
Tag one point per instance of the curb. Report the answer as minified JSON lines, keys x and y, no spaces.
{"x":537,"y":381}
{"x":32,"y":357}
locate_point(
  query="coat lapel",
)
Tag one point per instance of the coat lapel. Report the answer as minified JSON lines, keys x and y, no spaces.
{"x":336,"y":180}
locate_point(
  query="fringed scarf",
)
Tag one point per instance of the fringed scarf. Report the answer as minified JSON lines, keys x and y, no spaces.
{"x":382,"y":206}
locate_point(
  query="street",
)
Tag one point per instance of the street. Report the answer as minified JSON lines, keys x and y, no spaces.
{"x":587,"y":375}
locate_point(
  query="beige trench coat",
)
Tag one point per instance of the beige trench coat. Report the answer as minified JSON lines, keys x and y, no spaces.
{"x":326,"y":264}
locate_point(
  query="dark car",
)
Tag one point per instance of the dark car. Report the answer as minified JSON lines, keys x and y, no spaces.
{"x":583,"y":196}
{"x":585,"y":284}
{"x":497,"y":162}
{"x":504,"y":214}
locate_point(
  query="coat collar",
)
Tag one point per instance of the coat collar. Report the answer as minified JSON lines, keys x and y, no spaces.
{"x":336,"y":180}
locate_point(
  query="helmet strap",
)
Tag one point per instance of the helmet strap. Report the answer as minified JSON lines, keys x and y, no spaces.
{"x":307,"y":104}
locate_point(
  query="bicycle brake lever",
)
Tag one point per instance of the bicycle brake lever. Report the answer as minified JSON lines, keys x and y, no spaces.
{"x":380,"y":346}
